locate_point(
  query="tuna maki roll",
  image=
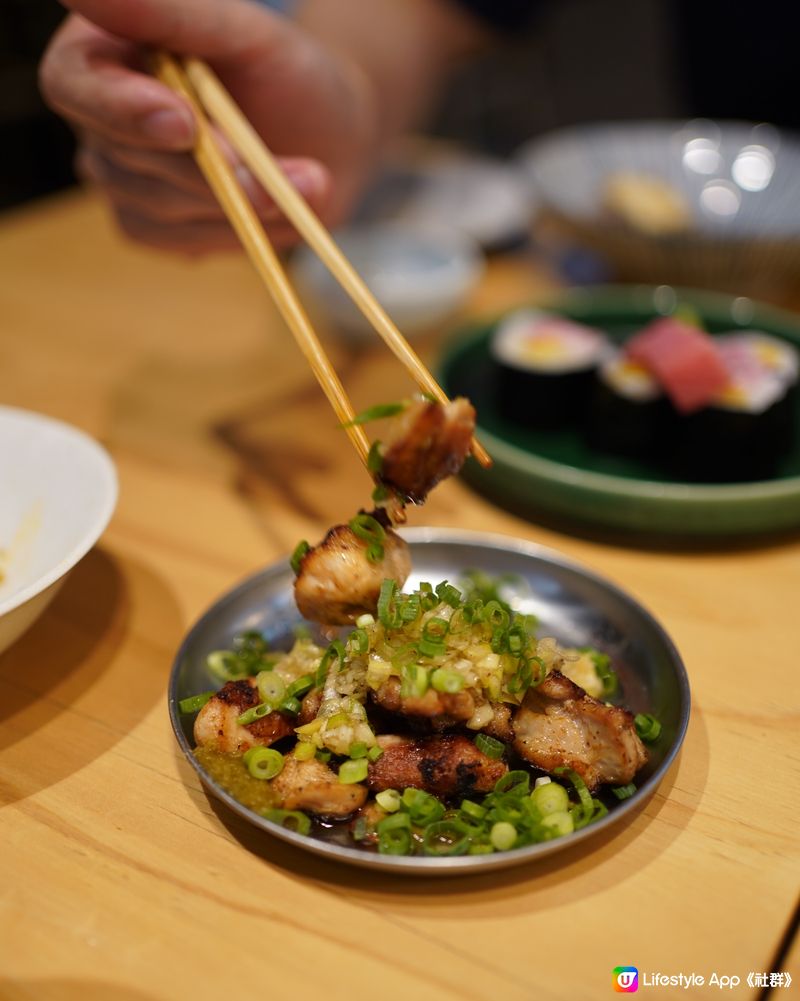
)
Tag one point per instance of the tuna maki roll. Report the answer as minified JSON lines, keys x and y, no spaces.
{"x":750,"y":424}
{"x":545,"y":368}
{"x":629,"y":412}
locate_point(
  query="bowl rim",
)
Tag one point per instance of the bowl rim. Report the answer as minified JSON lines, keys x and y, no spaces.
{"x":108,"y":483}
{"x":465,"y":864}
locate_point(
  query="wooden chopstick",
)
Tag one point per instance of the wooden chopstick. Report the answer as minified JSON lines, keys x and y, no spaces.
{"x":224,"y":111}
{"x":242,"y":216}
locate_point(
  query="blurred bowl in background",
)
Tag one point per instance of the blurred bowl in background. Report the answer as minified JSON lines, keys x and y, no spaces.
{"x":59,"y":492}
{"x":700,"y":203}
{"x":420,"y":274}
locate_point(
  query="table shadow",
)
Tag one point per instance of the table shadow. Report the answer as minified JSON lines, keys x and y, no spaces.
{"x":586,"y":869}
{"x":70,"y":663}
{"x":19,"y":989}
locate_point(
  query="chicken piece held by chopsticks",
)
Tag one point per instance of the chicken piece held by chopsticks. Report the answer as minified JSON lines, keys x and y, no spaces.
{"x":424,"y":444}
{"x":558,"y":724}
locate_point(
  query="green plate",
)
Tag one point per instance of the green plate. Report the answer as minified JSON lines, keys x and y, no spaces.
{"x":554,"y":473}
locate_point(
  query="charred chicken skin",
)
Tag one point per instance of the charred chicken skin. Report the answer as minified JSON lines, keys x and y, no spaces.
{"x":216,"y":724}
{"x":558,"y":724}
{"x":426,"y":443}
{"x":448,"y":766}
{"x":336,"y":582}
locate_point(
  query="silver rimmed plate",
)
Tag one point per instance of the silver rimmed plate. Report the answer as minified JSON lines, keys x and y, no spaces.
{"x":573,"y":604}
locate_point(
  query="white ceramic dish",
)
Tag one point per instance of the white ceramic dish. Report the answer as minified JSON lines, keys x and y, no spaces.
{"x":420,"y":274}
{"x":59,"y":491}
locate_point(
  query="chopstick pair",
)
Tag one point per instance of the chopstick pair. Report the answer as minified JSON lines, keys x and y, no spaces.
{"x":199,"y":85}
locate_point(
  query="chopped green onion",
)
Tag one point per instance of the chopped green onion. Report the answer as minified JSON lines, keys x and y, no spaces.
{"x":409,"y":608}
{"x":304,"y":750}
{"x":254,"y":713}
{"x":379,"y":411}
{"x":271,"y":686}
{"x":648,"y":727}
{"x":473,"y":810}
{"x":292,"y":820}
{"x":387,"y":612}
{"x":323,"y":755}
{"x":489,"y":746}
{"x":550,"y":798}
{"x":224,"y":665}
{"x":299,"y":552}
{"x":414,"y":681}
{"x":603,"y":669}
{"x":445,"y":680}
{"x":389,"y":800}
{"x":370,"y":530}
{"x":503,"y":835}
{"x":515,"y":783}
{"x":381,"y":493}
{"x":558,"y":824}
{"x":584,"y":795}
{"x":422,"y":807}
{"x":624,"y":792}
{"x":358,"y":641}
{"x":431,"y":648}
{"x":195,"y":702}
{"x":448,"y":594}
{"x":374,"y":458}
{"x":446,"y":837}
{"x":334,"y":651}
{"x":521,"y":681}
{"x":394,"y":834}
{"x":351,"y":772}
{"x":290,"y":705}
{"x":374,"y":753}
{"x":263,"y":762}
{"x":301,"y":686}
{"x":358,"y":750}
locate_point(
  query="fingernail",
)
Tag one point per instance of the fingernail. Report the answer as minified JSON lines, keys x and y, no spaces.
{"x":171,"y":127}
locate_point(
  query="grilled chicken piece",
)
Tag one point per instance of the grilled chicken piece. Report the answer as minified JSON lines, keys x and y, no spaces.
{"x":310,"y":785}
{"x":500,"y":727}
{"x":449,"y":765}
{"x":309,"y":707}
{"x":336,"y":582}
{"x":559,"y":724}
{"x":424,"y":444}
{"x":441,"y":709}
{"x":216,"y":726}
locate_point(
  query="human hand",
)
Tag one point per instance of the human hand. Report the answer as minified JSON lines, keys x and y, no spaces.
{"x":314,"y":108}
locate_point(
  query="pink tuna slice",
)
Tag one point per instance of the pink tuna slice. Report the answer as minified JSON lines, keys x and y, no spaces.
{"x":684,"y":360}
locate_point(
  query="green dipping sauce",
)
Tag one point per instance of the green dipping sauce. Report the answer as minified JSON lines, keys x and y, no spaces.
{"x":230,"y":771}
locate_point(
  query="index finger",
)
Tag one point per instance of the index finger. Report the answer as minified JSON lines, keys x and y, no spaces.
{"x":98,"y":82}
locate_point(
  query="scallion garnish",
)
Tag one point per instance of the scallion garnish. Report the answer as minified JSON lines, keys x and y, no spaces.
{"x":422,"y":807}
{"x":374,"y":753}
{"x":648,"y":727}
{"x":446,"y":680}
{"x":254,"y":713}
{"x":371,"y":531}
{"x":301,"y":686}
{"x":351,"y":771}
{"x":374,"y":458}
{"x":290,"y":705}
{"x":389,"y":800}
{"x":263,"y":762}
{"x":624,"y":792}
{"x":394,"y":834}
{"x":602,"y":664}
{"x":503,"y":835}
{"x":446,"y":837}
{"x":195,"y":702}
{"x":489,"y":746}
{"x":387,"y":612}
{"x":335,"y":651}
{"x":358,"y":750}
{"x":299,"y":552}
{"x":293,"y":820}
{"x":376,"y":413}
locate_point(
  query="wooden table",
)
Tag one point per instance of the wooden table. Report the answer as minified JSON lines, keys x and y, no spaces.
{"x":119,"y":879}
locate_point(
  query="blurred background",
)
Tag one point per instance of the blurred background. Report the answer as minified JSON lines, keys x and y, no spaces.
{"x":579,"y":61}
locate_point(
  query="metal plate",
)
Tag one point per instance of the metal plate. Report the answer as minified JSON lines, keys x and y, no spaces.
{"x":574,"y":605}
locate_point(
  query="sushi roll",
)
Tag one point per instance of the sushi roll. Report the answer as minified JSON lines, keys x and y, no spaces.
{"x":545,"y":368}
{"x":629,"y":413}
{"x":750,"y":424}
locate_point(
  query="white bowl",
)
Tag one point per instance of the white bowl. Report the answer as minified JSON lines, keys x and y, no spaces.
{"x":738,"y":182}
{"x":59,"y":491}
{"x":419,"y":274}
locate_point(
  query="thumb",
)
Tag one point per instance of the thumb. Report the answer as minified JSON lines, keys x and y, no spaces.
{"x":220,"y":30}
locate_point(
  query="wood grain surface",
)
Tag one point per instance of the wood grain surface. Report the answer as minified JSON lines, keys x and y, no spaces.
{"x":120,"y":879}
